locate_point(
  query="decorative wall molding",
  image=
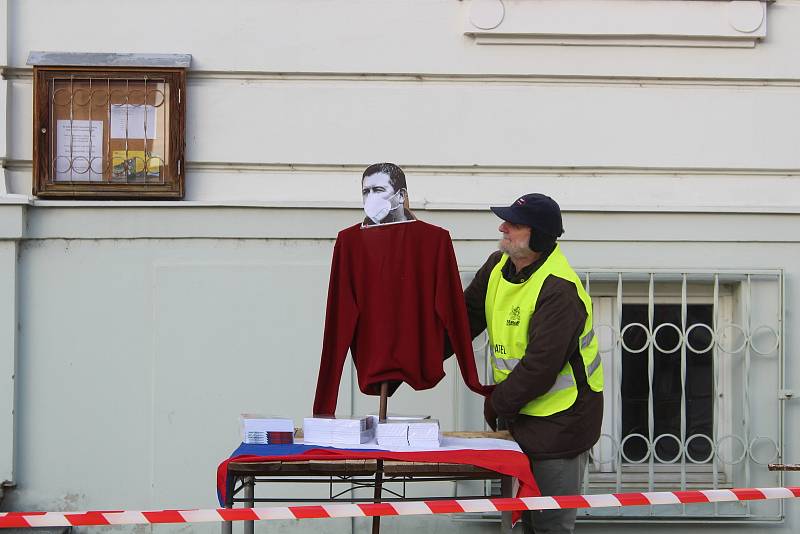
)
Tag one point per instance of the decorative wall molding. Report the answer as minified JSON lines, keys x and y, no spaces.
{"x":100,"y":220}
{"x":649,"y":23}
{"x":25,"y":75}
{"x":20,"y":165}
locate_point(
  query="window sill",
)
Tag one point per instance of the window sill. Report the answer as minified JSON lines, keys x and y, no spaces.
{"x":636,"y":477}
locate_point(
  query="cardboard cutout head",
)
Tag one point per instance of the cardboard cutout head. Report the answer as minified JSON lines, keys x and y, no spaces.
{"x":385,"y":195}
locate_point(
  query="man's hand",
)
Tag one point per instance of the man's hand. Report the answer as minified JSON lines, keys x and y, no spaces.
{"x":489,"y":414}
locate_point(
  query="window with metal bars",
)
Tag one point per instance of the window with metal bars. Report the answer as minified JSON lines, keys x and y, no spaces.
{"x":693,"y":364}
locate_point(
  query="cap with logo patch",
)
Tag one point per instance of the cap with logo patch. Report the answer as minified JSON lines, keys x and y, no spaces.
{"x":536,"y":210}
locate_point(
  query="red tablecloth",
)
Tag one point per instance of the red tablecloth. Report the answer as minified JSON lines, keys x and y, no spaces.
{"x":506,"y":462}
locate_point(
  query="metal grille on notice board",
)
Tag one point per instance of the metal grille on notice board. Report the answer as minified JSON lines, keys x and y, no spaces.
{"x":111,"y":130}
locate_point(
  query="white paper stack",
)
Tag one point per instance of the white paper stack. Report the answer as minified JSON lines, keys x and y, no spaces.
{"x":427,"y":434}
{"x":340,"y":431}
{"x":266,"y":430}
{"x":421,"y":433}
{"x":392,"y":434}
{"x":398,"y":418}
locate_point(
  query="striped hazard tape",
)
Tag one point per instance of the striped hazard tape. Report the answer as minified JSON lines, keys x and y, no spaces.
{"x":451,"y":506}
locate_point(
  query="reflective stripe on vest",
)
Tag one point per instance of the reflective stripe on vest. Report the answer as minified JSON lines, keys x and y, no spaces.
{"x":562,"y":381}
{"x":508,"y":364}
{"x":587,"y":339}
{"x":509,"y":308}
{"x":505,"y":365}
{"x":595,"y":365}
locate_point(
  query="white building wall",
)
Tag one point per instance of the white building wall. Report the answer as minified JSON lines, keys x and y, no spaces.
{"x":138,"y":331}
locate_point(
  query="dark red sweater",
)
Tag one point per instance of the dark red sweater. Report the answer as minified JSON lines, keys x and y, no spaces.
{"x":394,"y":292}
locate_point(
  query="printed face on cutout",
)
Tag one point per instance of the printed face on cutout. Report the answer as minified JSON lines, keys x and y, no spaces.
{"x":377,"y":184}
{"x":380,"y":198}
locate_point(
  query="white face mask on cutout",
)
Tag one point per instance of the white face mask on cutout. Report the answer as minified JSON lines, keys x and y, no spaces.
{"x":378,"y":208}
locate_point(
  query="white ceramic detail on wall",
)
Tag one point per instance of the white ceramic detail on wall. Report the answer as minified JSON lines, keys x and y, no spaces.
{"x":487,"y":14}
{"x":746,"y":16}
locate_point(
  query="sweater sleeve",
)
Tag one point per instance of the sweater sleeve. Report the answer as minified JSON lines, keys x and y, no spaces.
{"x":475,"y":295}
{"x":475,"y":299}
{"x":341,"y":317}
{"x":452,"y":312}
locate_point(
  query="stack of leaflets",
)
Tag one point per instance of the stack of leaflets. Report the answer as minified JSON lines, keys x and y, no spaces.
{"x":338,"y":431}
{"x":425,"y":434}
{"x":398,"y":418}
{"x":418,"y":433}
{"x":266,"y":430}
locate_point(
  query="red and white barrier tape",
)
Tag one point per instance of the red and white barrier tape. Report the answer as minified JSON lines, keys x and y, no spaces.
{"x":452,"y":506}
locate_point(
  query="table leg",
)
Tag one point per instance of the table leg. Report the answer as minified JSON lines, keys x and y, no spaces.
{"x":227,"y":526}
{"x":376,"y":520}
{"x":506,"y":487}
{"x":249,"y":494}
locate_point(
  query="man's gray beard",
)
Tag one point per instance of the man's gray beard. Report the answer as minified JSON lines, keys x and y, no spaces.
{"x":513,"y":251}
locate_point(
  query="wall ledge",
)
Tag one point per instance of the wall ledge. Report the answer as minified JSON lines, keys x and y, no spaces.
{"x":642,"y":23}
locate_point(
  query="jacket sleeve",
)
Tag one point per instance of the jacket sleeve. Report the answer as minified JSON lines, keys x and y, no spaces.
{"x":451,"y":310}
{"x":341,"y":317}
{"x":553,"y":334}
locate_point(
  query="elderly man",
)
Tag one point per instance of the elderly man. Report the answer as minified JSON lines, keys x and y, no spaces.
{"x":545,"y":359}
{"x":385,"y":195}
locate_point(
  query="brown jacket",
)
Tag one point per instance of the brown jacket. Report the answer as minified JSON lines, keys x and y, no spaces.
{"x":553,"y":334}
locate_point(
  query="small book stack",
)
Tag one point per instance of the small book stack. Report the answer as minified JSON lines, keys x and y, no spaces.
{"x":419,"y":433}
{"x":265,"y":430}
{"x":338,"y":431}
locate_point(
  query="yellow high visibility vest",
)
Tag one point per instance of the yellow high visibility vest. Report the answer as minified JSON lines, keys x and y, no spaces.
{"x":509,"y":308}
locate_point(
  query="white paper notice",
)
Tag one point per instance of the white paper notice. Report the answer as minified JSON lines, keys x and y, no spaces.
{"x":133,"y":122}
{"x":79,"y":150}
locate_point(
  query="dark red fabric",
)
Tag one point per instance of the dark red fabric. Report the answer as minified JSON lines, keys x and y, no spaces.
{"x":505,"y":462}
{"x":394,"y":294}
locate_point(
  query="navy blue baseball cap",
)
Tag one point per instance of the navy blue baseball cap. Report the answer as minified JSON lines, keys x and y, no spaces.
{"x":536,"y":210}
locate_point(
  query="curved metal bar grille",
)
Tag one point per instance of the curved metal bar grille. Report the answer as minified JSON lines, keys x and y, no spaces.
{"x":108,"y":129}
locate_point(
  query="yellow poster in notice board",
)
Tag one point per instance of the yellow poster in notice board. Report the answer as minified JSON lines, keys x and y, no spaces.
{"x":131,"y":164}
